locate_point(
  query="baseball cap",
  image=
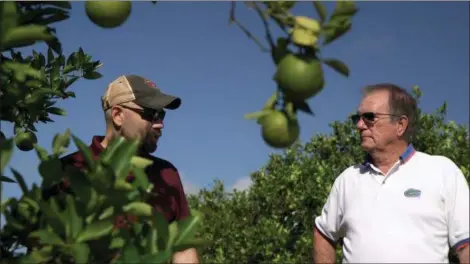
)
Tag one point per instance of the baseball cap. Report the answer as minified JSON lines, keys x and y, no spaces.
{"x":139,"y":90}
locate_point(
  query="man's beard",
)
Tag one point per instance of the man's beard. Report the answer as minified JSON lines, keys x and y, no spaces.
{"x":149,"y":142}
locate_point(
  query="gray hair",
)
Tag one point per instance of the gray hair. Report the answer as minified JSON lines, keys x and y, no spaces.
{"x":401,"y":103}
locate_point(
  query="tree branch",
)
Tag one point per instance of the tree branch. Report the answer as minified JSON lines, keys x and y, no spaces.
{"x":232,"y":19}
{"x":269,"y":37}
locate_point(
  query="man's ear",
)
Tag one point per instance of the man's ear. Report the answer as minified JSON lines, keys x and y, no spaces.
{"x":402,"y":126}
{"x":117,"y":115}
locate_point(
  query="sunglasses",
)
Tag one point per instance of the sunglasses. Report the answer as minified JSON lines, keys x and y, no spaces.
{"x":151,"y":115}
{"x":368,"y":117}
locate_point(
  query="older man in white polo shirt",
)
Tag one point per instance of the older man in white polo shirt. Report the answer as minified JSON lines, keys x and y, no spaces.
{"x":401,"y":205}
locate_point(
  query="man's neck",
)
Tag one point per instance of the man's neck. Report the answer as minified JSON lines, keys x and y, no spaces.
{"x":108,"y":137}
{"x":385,"y":159}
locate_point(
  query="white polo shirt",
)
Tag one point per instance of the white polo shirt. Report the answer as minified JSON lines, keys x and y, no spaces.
{"x":412,"y":214}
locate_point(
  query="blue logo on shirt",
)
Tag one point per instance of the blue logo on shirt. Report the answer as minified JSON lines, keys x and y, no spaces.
{"x":412,"y":193}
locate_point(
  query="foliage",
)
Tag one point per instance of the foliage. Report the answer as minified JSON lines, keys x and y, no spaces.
{"x":272,"y":221}
{"x":96,"y":215}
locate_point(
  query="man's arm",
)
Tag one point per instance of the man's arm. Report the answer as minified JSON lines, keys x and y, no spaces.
{"x":457,"y":208}
{"x":464,"y":254}
{"x":327,"y":226}
{"x":187,"y":256}
{"x":323,"y":249}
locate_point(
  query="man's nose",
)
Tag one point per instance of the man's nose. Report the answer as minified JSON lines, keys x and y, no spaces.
{"x":360,"y":124}
{"x":157,"y":125}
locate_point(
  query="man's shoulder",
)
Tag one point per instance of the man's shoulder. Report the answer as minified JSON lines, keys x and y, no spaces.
{"x":434,"y":162}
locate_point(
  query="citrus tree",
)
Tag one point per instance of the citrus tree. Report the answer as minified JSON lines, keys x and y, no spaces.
{"x":100,"y":214}
{"x":272,"y":221}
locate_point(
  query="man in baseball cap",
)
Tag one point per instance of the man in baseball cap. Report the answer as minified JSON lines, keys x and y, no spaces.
{"x":135,"y":109}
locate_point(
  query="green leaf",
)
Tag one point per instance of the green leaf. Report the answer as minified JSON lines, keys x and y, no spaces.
{"x":8,"y":13}
{"x":61,"y":4}
{"x":120,"y":161}
{"x":160,"y":257}
{"x":61,"y":142}
{"x":107,"y":155}
{"x":6,"y":151}
{"x":117,"y":242}
{"x":344,"y":8}
{"x":187,"y":228}
{"x":321,"y":10}
{"x":56,"y":111}
{"x":95,"y":230}
{"x":334,"y":29}
{"x":195,"y":243}
{"x":80,"y":253}
{"x":50,"y":56}
{"x":6,"y":179}
{"x":141,"y":179}
{"x":25,"y":35}
{"x":257,"y":115}
{"x":130,"y":254}
{"x":152,"y":236}
{"x":304,"y":107}
{"x":338,"y":66}
{"x":20,"y":180}
{"x":53,"y":216}
{"x":161,"y":224}
{"x":138,"y":209}
{"x":42,"y":255}
{"x":74,"y":221}
{"x":173,"y":234}
{"x":41,"y":152}
{"x":140,"y":162}
{"x":47,"y":237}
{"x":70,"y":81}
{"x":51,"y":171}
{"x":85,"y":151}
{"x":106,"y":213}
{"x":92,"y":75}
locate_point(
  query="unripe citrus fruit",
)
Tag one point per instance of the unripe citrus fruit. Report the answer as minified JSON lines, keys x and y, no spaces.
{"x":108,"y":14}
{"x":26,"y":140}
{"x":299,"y":77}
{"x":278,"y":131}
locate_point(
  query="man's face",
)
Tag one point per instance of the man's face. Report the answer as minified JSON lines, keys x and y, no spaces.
{"x":380,"y":132}
{"x":138,"y":124}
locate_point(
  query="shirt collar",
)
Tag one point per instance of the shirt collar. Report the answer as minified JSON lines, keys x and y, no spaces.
{"x":404,"y":157}
{"x":96,"y":147}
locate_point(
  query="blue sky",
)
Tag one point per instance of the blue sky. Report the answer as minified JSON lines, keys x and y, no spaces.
{"x":188,"y":49}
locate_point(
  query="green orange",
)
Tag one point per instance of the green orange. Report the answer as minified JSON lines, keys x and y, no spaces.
{"x":108,"y":14}
{"x":299,"y":77}
{"x":278,"y":131}
{"x":25,"y":140}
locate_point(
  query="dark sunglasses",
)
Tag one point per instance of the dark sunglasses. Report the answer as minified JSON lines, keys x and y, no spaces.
{"x":368,"y":117}
{"x":151,"y":115}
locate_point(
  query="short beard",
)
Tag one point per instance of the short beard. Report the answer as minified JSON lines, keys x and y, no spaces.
{"x":147,"y":145}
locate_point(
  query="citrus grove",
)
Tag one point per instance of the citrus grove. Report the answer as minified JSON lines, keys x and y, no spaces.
{"x":95,"y":215}
{"x":272,"y":221}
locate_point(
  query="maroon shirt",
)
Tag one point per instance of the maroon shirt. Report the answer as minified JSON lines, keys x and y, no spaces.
{"x":171,"y":199}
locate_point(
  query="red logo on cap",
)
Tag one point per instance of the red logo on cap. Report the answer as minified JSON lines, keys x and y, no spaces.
{"x":150,"y":83}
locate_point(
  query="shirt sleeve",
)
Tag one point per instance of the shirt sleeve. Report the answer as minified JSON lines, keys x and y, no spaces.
{"x":457,"y":207}
{"x":328,"y":222}
{"x":183,"y":207}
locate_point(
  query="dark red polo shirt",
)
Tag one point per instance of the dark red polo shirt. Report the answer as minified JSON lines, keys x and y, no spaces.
{"x":171,"y":199}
